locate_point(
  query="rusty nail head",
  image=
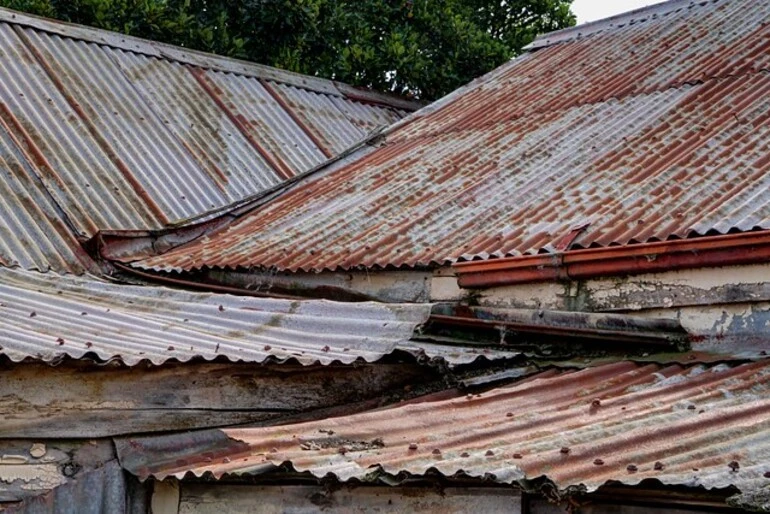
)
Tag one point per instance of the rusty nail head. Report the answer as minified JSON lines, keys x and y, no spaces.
{"x":464,"y":455}
{"x":734,"y":465}
{"x":412,"y":446}
{"x":632,"y":468}
{"x":268,"y":347}
{"x":509,"y":414}
{"x":226,"y":460}
{"x":342,"y":450}
{"x":273,"y":450}
{"x":767,"y":474}
{"x":658,"y":466}
{"x":517,"y":456}
{"x":596,"y":403}
{"x":436,"y":451}
{"x":565,"y":450}
{"x":489,"y":453}
{"x":691,"y":407}
{"x":599,"y":462}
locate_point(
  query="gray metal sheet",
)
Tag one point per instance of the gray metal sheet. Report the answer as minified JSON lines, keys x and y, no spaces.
{"x":46,"y":316}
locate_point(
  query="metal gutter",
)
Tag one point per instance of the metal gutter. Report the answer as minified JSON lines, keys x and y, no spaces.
{"x":566,"y":326}
{"x":731,"y":249}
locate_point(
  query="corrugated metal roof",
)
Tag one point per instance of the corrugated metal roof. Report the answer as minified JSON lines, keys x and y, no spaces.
{"x":34,"y":233}
{"x":641,"y":131}
{"x":47,"y":316}
{"x":130,"y":134}
{"x":623,"y":422}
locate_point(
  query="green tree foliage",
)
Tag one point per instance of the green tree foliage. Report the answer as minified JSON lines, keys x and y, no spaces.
{"x":422,"y":48}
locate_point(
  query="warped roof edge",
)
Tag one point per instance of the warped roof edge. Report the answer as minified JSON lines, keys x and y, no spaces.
{"x":619,"y":20}
{"x":202,"y":59}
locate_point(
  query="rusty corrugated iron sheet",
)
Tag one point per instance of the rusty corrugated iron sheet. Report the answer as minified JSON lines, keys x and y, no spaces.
{"x":47,"y":316}
{"x":130,"y":134}
{"x":697,"y":426}
{"x":646,"y":129}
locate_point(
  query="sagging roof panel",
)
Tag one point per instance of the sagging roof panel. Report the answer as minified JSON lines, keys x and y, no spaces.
{"x":131,"y":134}
{"x":623,"y":422}
{"x":646,"y":130}
{"x":49,"y":316}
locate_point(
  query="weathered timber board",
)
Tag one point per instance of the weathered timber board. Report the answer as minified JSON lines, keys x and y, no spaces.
{"x":78,"y":399}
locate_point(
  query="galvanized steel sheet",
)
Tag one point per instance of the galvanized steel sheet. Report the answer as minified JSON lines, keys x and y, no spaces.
{"x":699,"y":426}
{"x":47,"y":316}
{"x":129,"y":134}
{"x":641,"y":131}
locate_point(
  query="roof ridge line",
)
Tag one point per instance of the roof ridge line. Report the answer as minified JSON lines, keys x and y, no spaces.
{"x":642,"y":14}
{"x":198,"y":58}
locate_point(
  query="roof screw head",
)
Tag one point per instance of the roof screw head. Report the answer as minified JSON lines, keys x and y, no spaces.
{"x":631,"y":468}
{"x":226,"y":460}
{"x":412,"y":446}
{"x":464,"y":455}
{"x":221,"y":308}
{"x":436,"y":451}
{"x":691,"y":407}
{"x":767,"y":474}
{"x":509,"y":414}
{"x":342,"y":450}
{"x":596,"y":403}
{"x":658,"y":466}
{"x":565,"y":450}
{"x":60,"y":341}
{"x":489,"y":453}
{"x":598,"y":462}
{"x":32,"y":314}
{"x":170,"y":348}
{"x":518,"y":456}
{"x":325,"y":348}
{"x":734,"y":466}
{"x":273,"y":450}
{"x":268,"y":348}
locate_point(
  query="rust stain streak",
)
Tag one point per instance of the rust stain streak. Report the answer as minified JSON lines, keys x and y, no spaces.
{"x":293,"y":115}
{"x":124,"y":170}
{"x":275,"y":162}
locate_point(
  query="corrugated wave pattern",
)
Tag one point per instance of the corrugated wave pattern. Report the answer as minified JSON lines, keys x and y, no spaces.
{"x":125,"y":140}
{"x":33,"y":232}
{"x":648,"y":131}
{"x":48,"y":316}
{"x":624,"y":422}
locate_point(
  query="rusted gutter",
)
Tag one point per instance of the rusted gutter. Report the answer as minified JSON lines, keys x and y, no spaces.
{"x":732,"y":249}
{"x":564,"y":325}
{"x":200,"y":286}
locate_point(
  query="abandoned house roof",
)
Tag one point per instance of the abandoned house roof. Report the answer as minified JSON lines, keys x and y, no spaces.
{"x":46,"y":316}
{"x":624,"y":422}
{"x":124,"y":133}
{"x":652,"y":127}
